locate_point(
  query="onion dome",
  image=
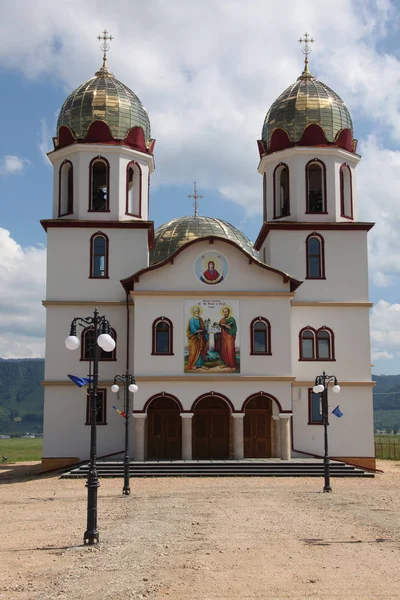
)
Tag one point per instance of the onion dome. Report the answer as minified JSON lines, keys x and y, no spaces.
{"x":307,"y":113}
{"x":168,"y":238}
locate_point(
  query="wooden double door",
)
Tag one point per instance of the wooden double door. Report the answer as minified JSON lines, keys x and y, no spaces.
{"x":211,"y":429}
{"x":257,"y":428}
{"x":164,"y":430}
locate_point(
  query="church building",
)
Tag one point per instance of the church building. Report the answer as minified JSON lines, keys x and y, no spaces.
{"x":224,"y":337}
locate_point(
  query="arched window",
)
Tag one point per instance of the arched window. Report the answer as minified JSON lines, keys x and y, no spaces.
{"x":162,"y":337}
{"x":281,"y":191}
{"x":260,"y":336}
{"x":99,"y":185}
{"x":346,"y":192}
{"x":87,"y":343}
{"x":307,"y":344}
{"x":315,"y":187}
{"x":99,"y":256}
{"x":265,"y":212}
{"x":65,"y":189}
{"x":316,"y":344}
{"x":134,"y":189}
{"x":315,"y":256}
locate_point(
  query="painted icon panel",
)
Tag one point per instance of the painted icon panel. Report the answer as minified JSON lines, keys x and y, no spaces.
{"x":211,"y":268}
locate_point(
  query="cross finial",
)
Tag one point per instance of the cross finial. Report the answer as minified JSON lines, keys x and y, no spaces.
{"x":105,"y":46}
{"x":195,"y":196}
{"x":306,"y":40}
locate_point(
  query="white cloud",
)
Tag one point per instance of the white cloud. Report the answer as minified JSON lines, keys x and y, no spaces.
{"x":385,"y":330}
{"x":45,"y":141}
{"x":381,"y":355}
{"x":13,"y":165}
{"x":22,"y":284}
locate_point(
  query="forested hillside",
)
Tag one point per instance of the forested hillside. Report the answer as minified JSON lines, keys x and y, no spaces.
{"x":21,"y":397}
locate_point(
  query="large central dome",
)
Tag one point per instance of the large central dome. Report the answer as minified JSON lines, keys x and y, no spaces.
{"x":171,"y":236}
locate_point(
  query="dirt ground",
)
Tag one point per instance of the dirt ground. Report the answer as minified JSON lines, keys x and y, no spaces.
{"x":208,"y":539}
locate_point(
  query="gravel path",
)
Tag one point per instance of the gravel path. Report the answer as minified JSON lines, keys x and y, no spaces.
{"x":208,"y":539}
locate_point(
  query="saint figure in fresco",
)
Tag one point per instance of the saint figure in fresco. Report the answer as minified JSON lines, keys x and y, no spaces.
{"x":211,"y":274}
{"x":228,"y":337}
{"x":197,"y":336}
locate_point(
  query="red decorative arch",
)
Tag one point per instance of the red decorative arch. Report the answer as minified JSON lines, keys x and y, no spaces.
{"x":70,"y":183}
{"x":215,"y":395}
{"x":107,"y":164}
{"x":267,"y":395}
{"x":343,"y":212}
{"x":131,"y":165}
{"x":161,"y":395}
{"x":323,"y":170}
{"x":281,"y":166}
{"x":98,"y":132}
{"x":92,"y":256}
{"x":170,"y":337}
{"x":268,"y":337}
{"x":322,"y":256}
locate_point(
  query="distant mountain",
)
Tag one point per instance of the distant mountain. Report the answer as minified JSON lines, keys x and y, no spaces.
{"x":22,"y":397}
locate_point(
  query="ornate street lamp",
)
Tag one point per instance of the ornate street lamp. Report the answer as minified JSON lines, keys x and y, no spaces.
{"x":102,"y":338}
{"x":321,"y":387}
{"x":129,"y":386}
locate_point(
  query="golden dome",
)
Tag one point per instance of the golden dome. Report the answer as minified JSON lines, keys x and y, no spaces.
{"x":104,"y":98}
{"x":307,"y":101}
{"x":171,"y":236}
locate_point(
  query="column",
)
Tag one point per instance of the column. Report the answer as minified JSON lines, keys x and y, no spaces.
{"x":277,"y":436}
{"x":238,"y":442}
{"x":187,"y":420}
{"x":139,"y":421}
{"x":285,"y":435}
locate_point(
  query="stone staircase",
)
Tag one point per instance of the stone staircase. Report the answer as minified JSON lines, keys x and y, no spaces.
{"x":221,"y":468}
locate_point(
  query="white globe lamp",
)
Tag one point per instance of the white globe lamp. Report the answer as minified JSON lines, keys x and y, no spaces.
{"x":72,"y":342}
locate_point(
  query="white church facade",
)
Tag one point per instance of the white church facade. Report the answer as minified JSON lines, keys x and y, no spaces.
{"x":225,"y":338}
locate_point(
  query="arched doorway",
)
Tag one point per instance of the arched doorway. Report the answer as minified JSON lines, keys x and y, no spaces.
{"x":211,"y":428}
{"x":164,"y":429}
{"x":257,"y":428}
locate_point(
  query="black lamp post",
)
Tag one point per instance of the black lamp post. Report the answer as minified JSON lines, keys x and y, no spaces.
{"x":102,"y":338}
{"x":321,"y":387}
{"x":129,"y":386}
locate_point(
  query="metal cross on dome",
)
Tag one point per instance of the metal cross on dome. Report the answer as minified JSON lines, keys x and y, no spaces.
{"x":306,"y":41}
{"x":195,"y":196}
{"x":105,"y":46}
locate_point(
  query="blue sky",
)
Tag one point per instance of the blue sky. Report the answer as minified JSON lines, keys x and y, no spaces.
{"x":207,"y":74}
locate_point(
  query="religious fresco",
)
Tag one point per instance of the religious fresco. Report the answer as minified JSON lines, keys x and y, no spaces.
{"x":212,"y":343}
{"x":211,"y":267}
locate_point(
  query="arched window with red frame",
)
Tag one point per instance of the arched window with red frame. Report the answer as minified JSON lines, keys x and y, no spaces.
{"x":260,"y":337}
{"x":316,"y":187}
{"x":281,"y":191}
{"x":307,"y":344}
{"x":134,"y":189}
{"x":325,"y":344}
{"x":346,"y":192}
{"x":87,"y":344}
{"x":162,"y":337}
{"x":316,"y":344}
{"x":66,"y":189}
{"x":265,"y":211}
{"x":315,"y":256}
{"x":99,"y":185}
{"x":99,"y":255}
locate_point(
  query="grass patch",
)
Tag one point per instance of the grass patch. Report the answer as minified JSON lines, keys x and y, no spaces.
{"x":21,"y":449}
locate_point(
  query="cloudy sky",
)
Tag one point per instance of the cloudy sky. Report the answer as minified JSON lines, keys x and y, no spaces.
{"x":207,"y":73}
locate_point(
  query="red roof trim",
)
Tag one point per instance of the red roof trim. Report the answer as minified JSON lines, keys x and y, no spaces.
{"x":129,"y":282}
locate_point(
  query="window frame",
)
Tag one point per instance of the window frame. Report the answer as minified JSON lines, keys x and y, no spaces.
{"x":102,"y":392}
{"x":311,"y":421}
{"x":323,"y":173}
{"x":85,"y":357}
{"x":265,"y":208}
{"x":154,"y":351}
{"x":277,"y":174}
{"x":70,"y":176}
{"x":91,"y":164}
{"x":106,"y":256}
{"x":318,"y":236}
{"x":268,"y":351}
{"x":316,"y":356}
{"x":135,"y":166}
{"x":343,"y":214}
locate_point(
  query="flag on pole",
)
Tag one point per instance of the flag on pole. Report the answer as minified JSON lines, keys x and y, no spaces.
{"x":80,"y":381}
{"x":119,"y":411}
{"x":337,"y":412}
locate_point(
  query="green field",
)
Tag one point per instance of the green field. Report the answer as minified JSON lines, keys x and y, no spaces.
{"x":387,"y":447}
{"x":21,"y":449}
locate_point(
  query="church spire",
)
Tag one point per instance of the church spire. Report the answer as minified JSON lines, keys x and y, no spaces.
{"x":195,"y":196}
